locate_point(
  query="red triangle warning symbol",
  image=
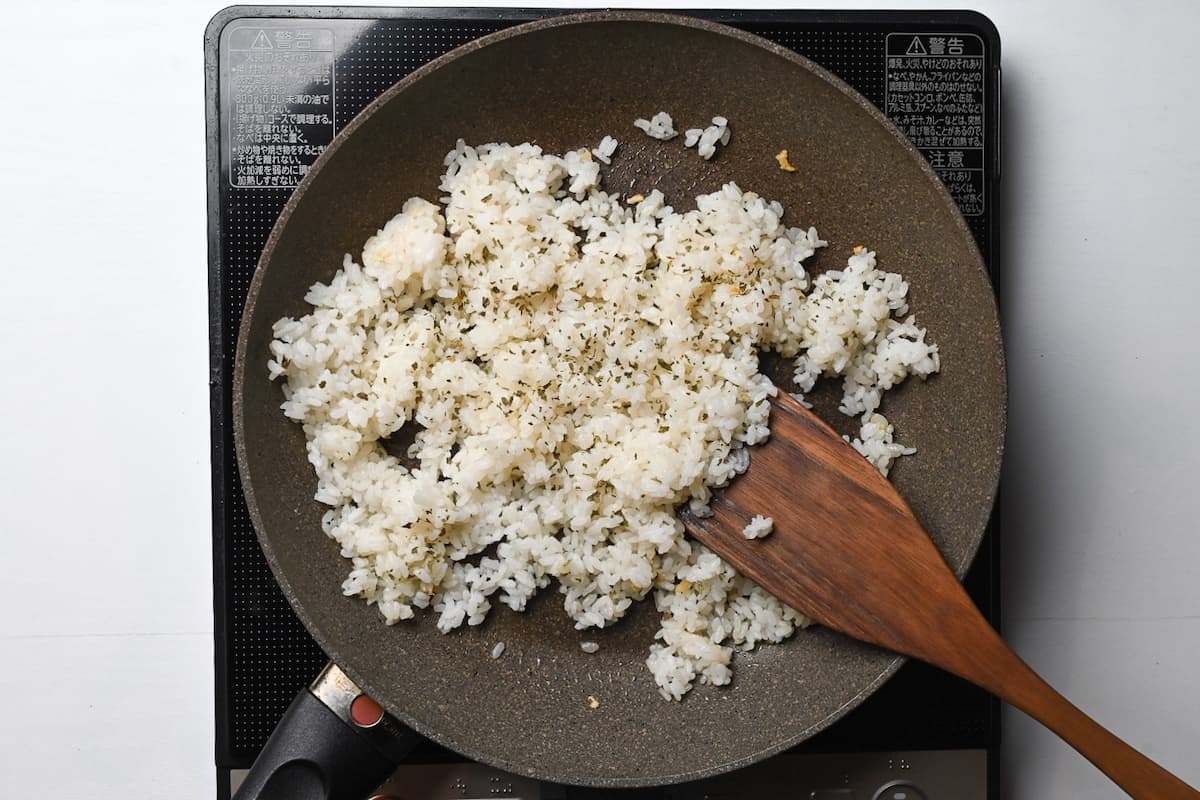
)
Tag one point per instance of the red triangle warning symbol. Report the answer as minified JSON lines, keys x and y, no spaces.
{"x":916,"y":47}
{"x":261,"y":42}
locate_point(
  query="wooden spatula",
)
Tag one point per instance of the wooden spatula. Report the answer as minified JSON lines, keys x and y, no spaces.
{"x":848,"y":552}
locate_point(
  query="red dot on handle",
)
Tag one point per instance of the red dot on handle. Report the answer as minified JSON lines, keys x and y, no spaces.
{"x":365,"y":712}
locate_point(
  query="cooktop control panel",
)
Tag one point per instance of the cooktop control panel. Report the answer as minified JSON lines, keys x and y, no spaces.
{"x":910,"y":775}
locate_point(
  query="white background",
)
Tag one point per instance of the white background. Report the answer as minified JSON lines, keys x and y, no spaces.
{"x":105,"y":593}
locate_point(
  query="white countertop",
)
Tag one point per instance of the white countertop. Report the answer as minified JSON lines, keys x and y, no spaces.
{"x":105,"y":584}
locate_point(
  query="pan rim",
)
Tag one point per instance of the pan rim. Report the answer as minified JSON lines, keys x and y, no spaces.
{"x":572,"y":19}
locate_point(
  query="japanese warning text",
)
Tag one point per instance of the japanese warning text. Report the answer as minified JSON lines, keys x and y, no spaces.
{"x":280,"y":111}
{"x":935,"y":95}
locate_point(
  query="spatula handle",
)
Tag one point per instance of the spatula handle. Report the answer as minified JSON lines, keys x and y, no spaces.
{"x":1001,"y":671}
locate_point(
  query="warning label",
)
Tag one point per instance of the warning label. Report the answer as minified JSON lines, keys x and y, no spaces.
{"x":280,"y":111}
{"x":935,"y":94}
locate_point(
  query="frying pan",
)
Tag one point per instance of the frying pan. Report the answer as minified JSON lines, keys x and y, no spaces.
{"x":563,"y":83}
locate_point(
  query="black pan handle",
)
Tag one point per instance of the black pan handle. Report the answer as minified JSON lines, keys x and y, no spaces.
{"x":333,"y":743}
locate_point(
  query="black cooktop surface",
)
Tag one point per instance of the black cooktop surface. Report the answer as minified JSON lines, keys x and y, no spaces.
{"x":282,"y":81}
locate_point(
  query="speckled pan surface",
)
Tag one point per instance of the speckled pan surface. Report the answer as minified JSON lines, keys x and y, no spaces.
{"x":563,"y":83}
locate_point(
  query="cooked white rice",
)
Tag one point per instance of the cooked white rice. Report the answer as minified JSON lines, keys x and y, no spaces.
{"x":705,"y":140}
{"x":850,"y":330}
{"x":576,"y":368}
{"x":758,"y":527}
{"x":660,"y":126}
{"x":604,"y":151}
{"x":498,"y":650}
{"x":589,"y":647}
{"x":875,"y":442}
